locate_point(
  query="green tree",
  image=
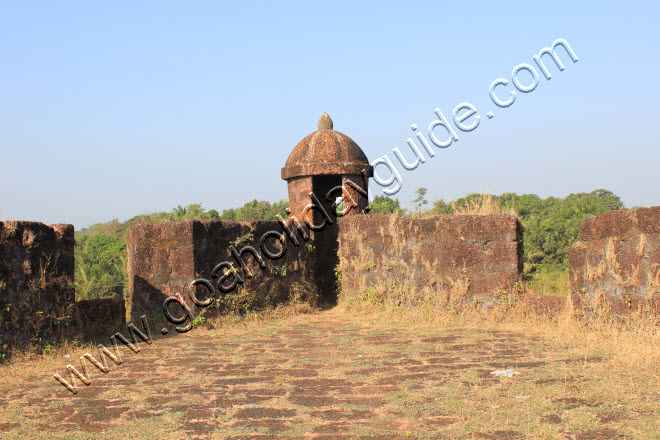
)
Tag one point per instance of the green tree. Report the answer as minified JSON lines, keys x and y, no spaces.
{"x":256,"y":210}
{"x":178,"y":213}
{"x":420,"y":201}
{"x":383,"y":205}
{"x":100,"y":266}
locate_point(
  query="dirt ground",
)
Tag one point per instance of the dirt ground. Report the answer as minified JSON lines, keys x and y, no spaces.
{"x":335,"y":375}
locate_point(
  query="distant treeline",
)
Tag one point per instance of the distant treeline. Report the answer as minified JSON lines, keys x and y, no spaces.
{"x":550,"y":225}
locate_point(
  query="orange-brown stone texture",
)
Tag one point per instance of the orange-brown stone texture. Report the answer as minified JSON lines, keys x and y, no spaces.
{"x":164,"y":258}
{"x":617,"y":260}
{"x":442,"y":260}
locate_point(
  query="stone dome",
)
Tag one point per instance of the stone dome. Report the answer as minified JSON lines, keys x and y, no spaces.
{"x":326,"y":152}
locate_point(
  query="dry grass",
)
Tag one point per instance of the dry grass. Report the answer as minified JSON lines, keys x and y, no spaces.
{"x":620,"y":372}
{"x":44,"y":277}
{"x":593,"y":273}
{"x":483,"y":205}
{"x":10,"y":227}
{"x":368,"y":373}
{"x":641,"y":246}
{"x":654,"y":278}
{"x":292,"y":308}
{"x":458,"y":289}
{"x":28,"y":238}
{"x":27,"y":268}
{"x":632,"y":340}
{"x":549,"y":283}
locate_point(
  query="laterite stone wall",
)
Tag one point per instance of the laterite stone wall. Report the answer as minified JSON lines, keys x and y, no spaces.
{"x":617,"y":261}
{"x":164,"y":258}
{"x":36,"y":283}
{"x":444,"y":260}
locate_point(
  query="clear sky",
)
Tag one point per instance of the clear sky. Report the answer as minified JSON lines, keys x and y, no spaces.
{"x":112,"y":109}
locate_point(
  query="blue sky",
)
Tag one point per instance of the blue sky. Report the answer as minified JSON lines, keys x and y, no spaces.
{"x":112,"y":109}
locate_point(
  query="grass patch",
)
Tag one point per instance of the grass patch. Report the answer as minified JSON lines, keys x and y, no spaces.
{"x":550,"y":282}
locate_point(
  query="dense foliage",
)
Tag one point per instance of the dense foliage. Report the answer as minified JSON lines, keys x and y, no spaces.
{"x":100,"y":266}
{"x":256,"y":210}
{"x":383,"y":205}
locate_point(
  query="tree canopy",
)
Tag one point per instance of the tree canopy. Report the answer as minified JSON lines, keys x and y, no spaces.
{"x":256,"y":210}
{"x":383,"y":205}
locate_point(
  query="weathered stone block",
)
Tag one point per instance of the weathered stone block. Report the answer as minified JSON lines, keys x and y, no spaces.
{"x":164,"y":258}
{"x":36,"y":282}
{"x":616,"y":263}
{"x":160,"y":264}
{"x":441,"y":260}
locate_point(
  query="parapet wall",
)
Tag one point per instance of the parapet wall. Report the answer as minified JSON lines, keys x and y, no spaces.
{"x":441,"y":260}
{"x":617,"y":260}
{"x":164,"y":258}
{"x":36,"y":282}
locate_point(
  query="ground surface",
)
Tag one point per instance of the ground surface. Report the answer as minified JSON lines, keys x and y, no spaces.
{"x":332,"y":375}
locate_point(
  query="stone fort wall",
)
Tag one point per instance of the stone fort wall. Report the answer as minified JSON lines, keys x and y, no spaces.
{"x":446,"y":257}
{"x":36,"y":282}
{"x":443,"y":261}
{"x":164,"y":258}
{"x":616,"y":263}
{"x":37,"y":294}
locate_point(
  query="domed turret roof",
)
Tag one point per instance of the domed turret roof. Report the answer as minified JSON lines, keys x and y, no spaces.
{"x":326,"y":152}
